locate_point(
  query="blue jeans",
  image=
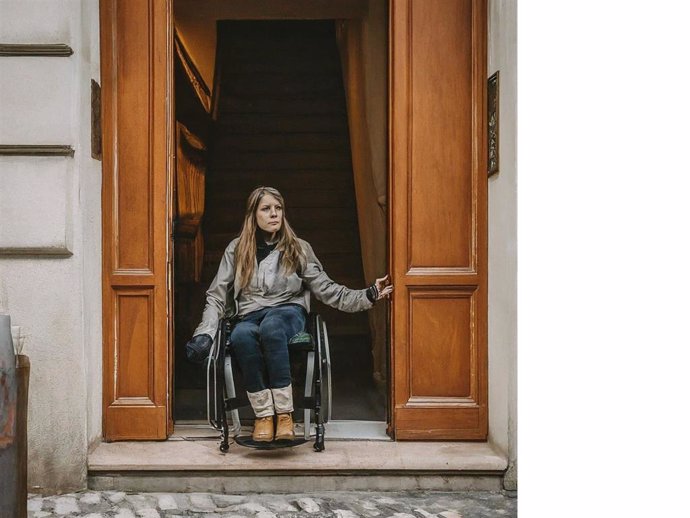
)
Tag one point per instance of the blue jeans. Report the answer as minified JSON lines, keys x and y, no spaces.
{"x":260,"y":344}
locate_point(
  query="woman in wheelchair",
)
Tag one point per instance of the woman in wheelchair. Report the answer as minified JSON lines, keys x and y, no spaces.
{"x":268,"y":273}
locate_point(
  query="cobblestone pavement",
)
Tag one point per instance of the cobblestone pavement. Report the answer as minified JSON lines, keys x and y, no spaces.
{"x":418,"y":504}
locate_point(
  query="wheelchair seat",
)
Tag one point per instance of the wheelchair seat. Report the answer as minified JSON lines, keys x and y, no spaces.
{"x":310,"y":369}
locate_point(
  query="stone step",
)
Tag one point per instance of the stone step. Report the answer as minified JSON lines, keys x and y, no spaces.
{"x":188,"y":464}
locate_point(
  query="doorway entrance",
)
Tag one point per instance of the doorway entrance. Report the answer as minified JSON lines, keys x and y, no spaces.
{"x":434,"y":202}
{"x":278,"y":116}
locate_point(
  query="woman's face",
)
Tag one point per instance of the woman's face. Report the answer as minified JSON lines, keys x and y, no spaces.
{"x":269,"y":214}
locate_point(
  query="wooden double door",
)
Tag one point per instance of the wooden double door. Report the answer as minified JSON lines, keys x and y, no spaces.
{"x":437,"y":218}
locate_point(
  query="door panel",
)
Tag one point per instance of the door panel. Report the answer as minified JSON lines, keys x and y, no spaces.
{"x":136,"y":86}
{"x":440,"y":140}
{"x":438,"y":318}
{"x":438,"y":218}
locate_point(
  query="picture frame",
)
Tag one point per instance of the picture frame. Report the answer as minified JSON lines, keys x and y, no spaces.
{"x":492,"y":124}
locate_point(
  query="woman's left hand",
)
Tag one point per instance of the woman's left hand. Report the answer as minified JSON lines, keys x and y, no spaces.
{"x":384,"y":287}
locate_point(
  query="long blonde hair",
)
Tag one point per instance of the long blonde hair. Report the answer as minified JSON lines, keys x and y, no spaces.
{"x":292,"y":255}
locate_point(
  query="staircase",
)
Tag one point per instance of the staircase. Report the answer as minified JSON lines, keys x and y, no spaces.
{"x":282,"y":122}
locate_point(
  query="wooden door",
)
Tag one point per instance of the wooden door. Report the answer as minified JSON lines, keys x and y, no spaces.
{"x":137,"y":127}
{"x":438,"y":218}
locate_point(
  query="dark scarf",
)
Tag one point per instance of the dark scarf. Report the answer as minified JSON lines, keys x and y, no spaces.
{"x":263,"y":248}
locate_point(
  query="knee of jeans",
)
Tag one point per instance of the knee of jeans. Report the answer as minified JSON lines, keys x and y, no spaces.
{"x":242,"y":337}
{"x":272,"y":330}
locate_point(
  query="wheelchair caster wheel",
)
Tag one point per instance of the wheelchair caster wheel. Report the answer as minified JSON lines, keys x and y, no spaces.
{"x":224,"y":447}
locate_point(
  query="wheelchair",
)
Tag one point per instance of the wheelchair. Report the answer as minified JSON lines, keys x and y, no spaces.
{"x":310,"y":367}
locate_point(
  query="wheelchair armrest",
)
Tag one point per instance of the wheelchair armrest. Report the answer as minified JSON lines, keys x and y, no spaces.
{"x":302,"y":341}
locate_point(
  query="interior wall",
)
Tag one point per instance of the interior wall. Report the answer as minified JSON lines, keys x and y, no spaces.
{"x":502,"y":56}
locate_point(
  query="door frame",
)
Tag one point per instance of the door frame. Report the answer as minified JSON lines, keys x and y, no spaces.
{"x":151,"y":285}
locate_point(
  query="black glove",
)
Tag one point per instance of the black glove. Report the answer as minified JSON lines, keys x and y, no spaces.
{"x":198,"y":348}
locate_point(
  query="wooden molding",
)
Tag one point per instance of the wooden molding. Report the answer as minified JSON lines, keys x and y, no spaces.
{"x":192,"y":72}
{"x":420,"y":271}
{"x":39,"y":251}
{"x":441,"y":402}
{"x":35,"y":150}
{"x":35,"y":50}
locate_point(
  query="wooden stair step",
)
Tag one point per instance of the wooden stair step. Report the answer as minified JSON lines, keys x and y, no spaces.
{"x":307,"y":198}
{"x":274,"y":160}
{"x":276,"y":62}
{"x":245,"y":181}
{"x":326,"y":86}
{"x":316,"y":49}
{"x":232,"y":105}
{"x":268,"y":123}
{"x":340,"y":216}
{"x":271,"y":142}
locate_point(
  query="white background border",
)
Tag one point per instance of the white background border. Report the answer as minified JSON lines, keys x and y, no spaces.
{"x":603,"y":262}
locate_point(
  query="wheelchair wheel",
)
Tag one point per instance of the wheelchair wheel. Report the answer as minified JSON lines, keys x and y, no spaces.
{"x":325,"y":374}
{"x":322,"y":384}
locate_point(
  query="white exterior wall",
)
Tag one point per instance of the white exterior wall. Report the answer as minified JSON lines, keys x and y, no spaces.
{"x":50,"y":232}
{"x":502,"y":56}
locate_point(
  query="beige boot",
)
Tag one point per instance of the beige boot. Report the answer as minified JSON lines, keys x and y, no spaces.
{"x":282,"y":401}
{"x":285,"y":428}
{"x":262,"y":404}
{"x":263,"y":429}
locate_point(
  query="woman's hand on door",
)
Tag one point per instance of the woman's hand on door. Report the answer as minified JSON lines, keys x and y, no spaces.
{"x":383,"y":287}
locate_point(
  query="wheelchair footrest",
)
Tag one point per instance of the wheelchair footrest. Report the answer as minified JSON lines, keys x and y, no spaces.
{"x":246,"y":440}
{"x":233,"y":404}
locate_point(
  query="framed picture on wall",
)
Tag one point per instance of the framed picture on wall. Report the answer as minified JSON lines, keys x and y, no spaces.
{"x":492,"y":126}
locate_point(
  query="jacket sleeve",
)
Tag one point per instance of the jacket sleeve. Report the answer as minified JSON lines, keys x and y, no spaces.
{"x":327,"y":290}
{"x":217,"y":293}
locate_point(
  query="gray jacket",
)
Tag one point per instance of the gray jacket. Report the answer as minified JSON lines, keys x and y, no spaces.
{"x":270,"y":287}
